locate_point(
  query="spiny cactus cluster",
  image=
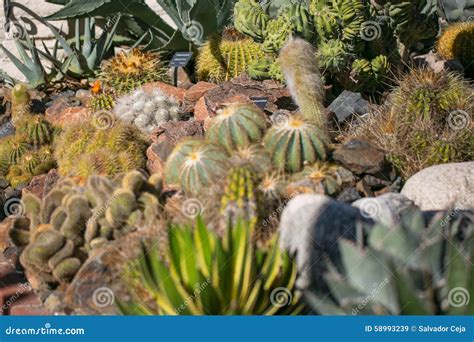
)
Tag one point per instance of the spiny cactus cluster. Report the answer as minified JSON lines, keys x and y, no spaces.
{"x":428,"y":121}
{"x":58,"y":232}
{"x":147,"y":109}
{"x":130,"y":70}
{"x":226,"y":56}
{"x":100,"y":148}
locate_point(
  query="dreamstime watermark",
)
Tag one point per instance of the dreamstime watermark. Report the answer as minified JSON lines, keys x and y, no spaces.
{"x":375,"y":291}
{"x":46,"y":330}
{"x":13,"y":29}
{"x":370,"y":208}
{"x":449,"y":217}
{"x":14,"y":208}
{"x":103,"y":297}
{"x":281,"y":297}
{"x":198,"y":289}
{"x":192,"y":31}
{"x":370,"y":30}
{"x":458,"y":297}
{"x":192,"y":208}
{"x":103,"y":119}
{"x":459,"y":120}
{"x":25,"y":287}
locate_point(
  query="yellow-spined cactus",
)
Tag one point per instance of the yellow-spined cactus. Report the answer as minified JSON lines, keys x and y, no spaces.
{"x":457,"y":42}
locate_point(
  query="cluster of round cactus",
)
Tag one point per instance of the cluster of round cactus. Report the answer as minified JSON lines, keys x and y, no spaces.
{"x":147,"y":109}
{"x":457,"y":42}
{"x":107,"y":147}
{"x":58,"y":232}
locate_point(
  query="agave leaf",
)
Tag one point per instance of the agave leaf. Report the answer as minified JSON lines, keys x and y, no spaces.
{"x":133,"y":309}
{"x":410,"y":304}
{"x":188,"y":261}
{"x":365,"y":271}
{"x":239,"y":246}
{"x":203,"y":245}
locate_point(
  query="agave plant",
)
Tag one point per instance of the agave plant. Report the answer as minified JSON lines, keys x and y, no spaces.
{"x":210,"y":275}
{"x":414,"y":268}
{"x":194,"y":20}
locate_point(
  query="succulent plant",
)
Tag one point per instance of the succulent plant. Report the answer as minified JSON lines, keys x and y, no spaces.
{"x":369,"y":74}
{"x":278,"y":32}
{"x":130,"y":70}
{"x":58,"y":232}
{"x":195,"y":165}
{"x":456,"y":42}
{"x":221,"y":276}
{"x":412,"y":268}
{"x":226,"y":56}
{"x":38,"y":131}
{"x":294,"y":144}
{"x":320,"y":177}
{"x":102,"y":100}
{"x":238,"y":125}
{"x":147,"y":109}
{"x":240,"y":201}
{"x":251,"y":19}
{"x":427,"y":121}
{"x":254,"y":157}
{"x":20,"y":103}
{"x":266,"y":68}
{"x":85,"y":149}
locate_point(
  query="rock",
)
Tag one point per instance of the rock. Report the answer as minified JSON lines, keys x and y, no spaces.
{"x":36,"y":186}
{"x":51,"y":179}
{"x":387,"y":209}
{"x":5,"y":241}
{"x":157,"y":155}
{"x":364,"y":188}
{"x":201,"y":112}
{"x":310,"y":227}
{"x":183,"y":78}
{"x":442,"y":187}
{"x":347,"y":104}
{"x":4,"y":183}
{"x":360,"y":157}
{"x":177,"y":93}
{"x":84,"y":96}
{"x":7,"y":129}
{"x":61,"y":114}
{"x":100,"y":281}
{"x":438,"y":64}
{"x":193,"y":94}
{"x":349,"y":195}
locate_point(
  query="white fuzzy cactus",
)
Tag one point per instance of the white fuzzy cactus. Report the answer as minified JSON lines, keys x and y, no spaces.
{"x":147,"y":109}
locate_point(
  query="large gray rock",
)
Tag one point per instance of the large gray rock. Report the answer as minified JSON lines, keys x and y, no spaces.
{"x":387,"y":209}
{"x":348,"y":104}
{"x":310,"y":228}
{"x":442,"y":187}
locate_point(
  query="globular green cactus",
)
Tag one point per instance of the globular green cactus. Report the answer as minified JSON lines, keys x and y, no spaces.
{"x":320,"y":177}
{"x":29,"y":162}
{"x":266,"y":68}
{"x":58,"y":232}
{"x":294,"y":144}
{"x":301,"y":20}
{"x":85,"y":149}
{"x":369,"y":74}
{"x":237,"y":125}
{"x":196,"y":165}
{"x":39,"y":131}
{"x":240,"y":201}
{"x":457,"y":42}
{"x":333,"y":56}
{"x":102,"y":101}
{"x":17,"y":148}
{"x":20,"y":103}
{"x":130,"y":70}
{"x":251,"y":19}
{"x":278,"y":32}
{"x":224,"y":57}
{"x":254,"y":157}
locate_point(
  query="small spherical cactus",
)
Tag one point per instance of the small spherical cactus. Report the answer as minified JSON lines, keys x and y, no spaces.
{"x":457,"y":42}
{"x":238,"y":125}
{"x":18,"y":148}
{"x":39,"y":131}
{"x":196,"y":165}
{"x":295,"y":143}
{"x":147,"y":109}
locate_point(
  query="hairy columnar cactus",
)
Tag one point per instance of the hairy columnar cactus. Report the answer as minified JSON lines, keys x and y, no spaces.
{"x":237,"y":125}
{"x":297,"y":60}
{"x":20,"y":103}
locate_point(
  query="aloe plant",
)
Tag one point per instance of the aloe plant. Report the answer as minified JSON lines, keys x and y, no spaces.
{"x":210,"y":275}
{"x":194,"y":20}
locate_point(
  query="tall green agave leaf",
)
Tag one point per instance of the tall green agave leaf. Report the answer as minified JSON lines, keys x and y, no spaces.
{"x":208,"y":274}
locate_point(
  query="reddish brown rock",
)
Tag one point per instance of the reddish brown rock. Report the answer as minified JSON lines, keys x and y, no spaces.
{"x":183,"y":78}
{"x":201,"y":112}
{"x":177,"y":93}
{"x":157,"y":154}
{"x":42,"y":184}
{"x":198,"y":90}
{"x":67,"y":116}
{"x":5,"y":241}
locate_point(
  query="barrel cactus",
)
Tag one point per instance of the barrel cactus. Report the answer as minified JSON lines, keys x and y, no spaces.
{"x":195,"y":165}
{"x":226,"y":56}
{"x":457,"y":42}
{"x":322,"y":178}
{"x":237,"y":125}
{"x":295,"y":143}
{"x":130,"y":70}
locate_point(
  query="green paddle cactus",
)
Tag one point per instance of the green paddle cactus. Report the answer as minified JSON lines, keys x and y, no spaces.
{"x":237,"y":125}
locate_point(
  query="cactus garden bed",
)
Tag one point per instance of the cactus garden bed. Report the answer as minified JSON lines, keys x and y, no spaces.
{"x":257,"y":158}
